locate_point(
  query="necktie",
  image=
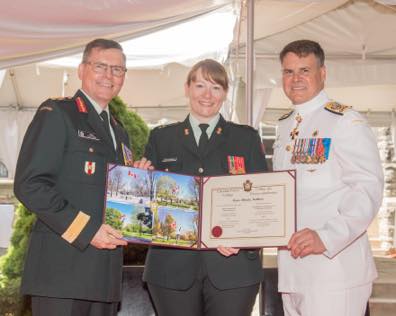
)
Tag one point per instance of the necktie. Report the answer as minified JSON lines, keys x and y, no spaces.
{"x":203,"y":139}
{"x":105,"y":118}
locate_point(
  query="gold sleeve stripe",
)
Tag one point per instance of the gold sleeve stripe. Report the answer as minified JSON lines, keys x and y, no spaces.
{"x":76,"y":227}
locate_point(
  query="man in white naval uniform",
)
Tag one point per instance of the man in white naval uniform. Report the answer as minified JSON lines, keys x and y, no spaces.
{"x":327,"y":268}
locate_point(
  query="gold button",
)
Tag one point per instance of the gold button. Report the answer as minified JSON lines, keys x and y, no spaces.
{"x":91,"y":150}
{"x":200,"y":170}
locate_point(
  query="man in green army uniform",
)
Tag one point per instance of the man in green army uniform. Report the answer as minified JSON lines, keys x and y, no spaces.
{"x":74,"y":261}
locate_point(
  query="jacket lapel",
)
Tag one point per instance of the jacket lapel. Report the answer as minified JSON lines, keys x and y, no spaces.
{"x":218,"y":136}
{"x":187,"y":137}
{"x":94,"y":121}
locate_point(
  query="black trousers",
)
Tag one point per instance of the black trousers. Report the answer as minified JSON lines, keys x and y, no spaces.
{"x":203,"y":299}
{"x":51,"y":306}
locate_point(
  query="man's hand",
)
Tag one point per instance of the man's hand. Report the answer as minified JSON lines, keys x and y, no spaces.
{"x":143,"y":164}
{"x":227,"y":251}
{"x":305,"y":242}
{"x":107,"y":238}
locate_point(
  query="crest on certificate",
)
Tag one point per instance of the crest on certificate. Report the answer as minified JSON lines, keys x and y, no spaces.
{"x":247,"y":185}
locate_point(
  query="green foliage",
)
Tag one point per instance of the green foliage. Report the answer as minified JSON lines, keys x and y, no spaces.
{"x":114,"y":218}
{"x":11,"y":264}
{"x":137,"y":129}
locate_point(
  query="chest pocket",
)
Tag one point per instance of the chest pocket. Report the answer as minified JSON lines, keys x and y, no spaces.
{"x":170,"y":164}
{"x":85,"y":162}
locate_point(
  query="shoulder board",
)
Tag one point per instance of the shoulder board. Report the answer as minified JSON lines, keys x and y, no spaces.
{"x":337,"y":108}
{"x":60,"y":98}
{"x":167,"y":125}
{"x":285,"y":116}
{"x":243,"y":126}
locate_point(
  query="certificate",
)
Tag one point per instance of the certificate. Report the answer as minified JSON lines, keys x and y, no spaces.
{"x":176,"y":210}
{"x":251,"y":210}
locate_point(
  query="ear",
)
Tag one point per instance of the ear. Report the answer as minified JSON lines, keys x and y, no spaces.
{"x":186,"y":90}
{"x":80,"y":70}
{"x":323,"y":73}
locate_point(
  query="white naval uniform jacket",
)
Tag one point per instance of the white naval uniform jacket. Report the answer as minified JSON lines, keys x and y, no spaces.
{"x":338,"y":198}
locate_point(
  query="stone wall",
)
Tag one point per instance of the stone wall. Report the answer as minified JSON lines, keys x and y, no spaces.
{"x":386,"y":215}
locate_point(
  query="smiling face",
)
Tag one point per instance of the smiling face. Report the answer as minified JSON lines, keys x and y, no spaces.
{"x":303,"y":78}
{"x":206,"y":97}
{"x":102,"y":87}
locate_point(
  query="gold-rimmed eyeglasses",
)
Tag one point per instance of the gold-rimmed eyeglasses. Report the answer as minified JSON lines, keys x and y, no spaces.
{"x":101,"y":68}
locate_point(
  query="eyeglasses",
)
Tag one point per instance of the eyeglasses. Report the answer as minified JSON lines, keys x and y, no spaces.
{"x":101,"y":68}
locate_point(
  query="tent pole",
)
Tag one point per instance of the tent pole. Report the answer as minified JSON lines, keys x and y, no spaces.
{"x":16,"y":89}
{"x":249,"y":62}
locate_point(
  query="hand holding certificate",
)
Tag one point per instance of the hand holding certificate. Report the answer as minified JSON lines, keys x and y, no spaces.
{"x":169,"y":209}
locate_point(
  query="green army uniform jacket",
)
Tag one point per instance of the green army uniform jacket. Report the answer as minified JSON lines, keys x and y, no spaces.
{"x":60,"y":176}
{"x":173,"y":148}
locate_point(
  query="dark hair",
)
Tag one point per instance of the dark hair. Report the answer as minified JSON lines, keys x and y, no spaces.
{"x":303,"y":48}
{"x":101,"y":43}
{"x":211,"y":70}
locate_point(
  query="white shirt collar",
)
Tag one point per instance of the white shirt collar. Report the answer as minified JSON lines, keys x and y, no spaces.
{"x":312,"y":104}
{"x":95,"y":104}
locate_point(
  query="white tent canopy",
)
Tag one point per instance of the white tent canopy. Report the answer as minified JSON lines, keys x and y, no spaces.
{"x":357,"y":35}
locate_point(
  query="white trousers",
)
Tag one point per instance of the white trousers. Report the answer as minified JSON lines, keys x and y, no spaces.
{"x":324,"y":302}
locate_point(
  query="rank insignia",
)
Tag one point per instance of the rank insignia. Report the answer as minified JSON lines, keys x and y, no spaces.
{"x":336,"y":108}
{"x":236,"y":165}
{"x":186,"y":131}
{"x":315,"y":133}
{"x":219,"y":130}
{"x":89,"y":167}
{"x":46,"y":108}
{"x":285,"y":116}
{"x":82,"y":108}
{"x":127,"y":154}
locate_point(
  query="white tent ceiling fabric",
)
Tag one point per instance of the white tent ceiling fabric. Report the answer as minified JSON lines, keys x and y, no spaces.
{"x":32,"y":31}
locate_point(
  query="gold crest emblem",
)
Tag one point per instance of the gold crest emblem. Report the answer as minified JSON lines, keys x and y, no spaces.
{"x":247,"y":186}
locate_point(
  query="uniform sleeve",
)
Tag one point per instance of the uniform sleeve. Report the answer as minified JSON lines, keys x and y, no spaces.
{"x":150,"y":151}
{"x":357,"y":154}
{"x":38,"y":167}
{"x":257,"y":160}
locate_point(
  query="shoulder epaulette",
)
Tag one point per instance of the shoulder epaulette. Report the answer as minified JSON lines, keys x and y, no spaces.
{"x":167,"y":125}
{"x":243,"y":126}
{"x":337,"y":108}
{"x":60,"y":98}
{"x":285,"y":116}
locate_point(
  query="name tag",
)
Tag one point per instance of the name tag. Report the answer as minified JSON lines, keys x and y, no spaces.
{"x":87,"y":135}
{"x":169,"y":159}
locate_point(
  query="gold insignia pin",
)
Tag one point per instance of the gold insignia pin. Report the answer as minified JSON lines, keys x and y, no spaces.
{"x":288,"y":148}
{"x":315,"y":133}
{"x":219,"y":130}
{"x":186,"y":131}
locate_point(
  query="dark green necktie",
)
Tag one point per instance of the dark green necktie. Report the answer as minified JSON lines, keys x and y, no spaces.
{"x":203,"y":139}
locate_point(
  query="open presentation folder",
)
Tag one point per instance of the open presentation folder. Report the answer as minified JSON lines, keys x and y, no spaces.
{"x":177,"y":210}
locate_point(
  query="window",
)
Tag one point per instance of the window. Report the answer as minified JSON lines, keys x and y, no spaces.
{"x":268,"y":135}
{"x":3,"y":170}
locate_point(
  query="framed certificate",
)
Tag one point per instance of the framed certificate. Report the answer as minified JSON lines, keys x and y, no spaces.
{"x":177,"y":210}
